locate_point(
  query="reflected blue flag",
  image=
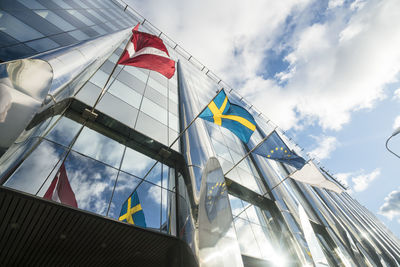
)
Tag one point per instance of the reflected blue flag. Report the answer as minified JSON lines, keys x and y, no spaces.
{"x":274,"y":148}
{"x":233,"y":117}
{"x":216,"y":199}
{"x":131,"y":211}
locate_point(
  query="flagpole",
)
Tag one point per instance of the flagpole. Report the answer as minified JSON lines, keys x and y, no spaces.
{"x":90,"y":114}
{"x":248,"y":153}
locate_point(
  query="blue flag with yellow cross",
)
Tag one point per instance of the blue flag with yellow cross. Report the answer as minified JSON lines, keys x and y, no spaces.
{"x":131,"y":211}
{"x":274,"y":148}
{"x":233,"y":117}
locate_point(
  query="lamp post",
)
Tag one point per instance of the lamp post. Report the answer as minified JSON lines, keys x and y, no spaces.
{"x":397,"y":131}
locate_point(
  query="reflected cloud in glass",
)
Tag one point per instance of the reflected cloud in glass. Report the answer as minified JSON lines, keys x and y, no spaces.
{"x":32,"y":173}
{"x":100,"y":147}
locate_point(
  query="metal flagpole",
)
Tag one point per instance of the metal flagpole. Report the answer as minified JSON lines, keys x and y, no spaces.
{"x":248,"y":153}
{"x":90,"y":114}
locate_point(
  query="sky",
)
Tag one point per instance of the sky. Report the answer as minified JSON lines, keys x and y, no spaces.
{"x":327,"y":72}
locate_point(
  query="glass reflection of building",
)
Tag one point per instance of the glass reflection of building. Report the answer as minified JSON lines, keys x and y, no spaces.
{"x":125,"y":149}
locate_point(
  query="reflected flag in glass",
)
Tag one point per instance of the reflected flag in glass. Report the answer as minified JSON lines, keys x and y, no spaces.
{"x":149,"y":52}
{"x":131,"y":211}
{"x":233,"y":117}
{"x":60,"y":190}
{"x":274,"y":148}
{"x":215,"y":199}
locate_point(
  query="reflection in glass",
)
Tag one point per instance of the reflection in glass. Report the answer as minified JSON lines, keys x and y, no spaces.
{"x":150,"y":198}
{"x":136,"y":163}
{"x":247,"y":241}
{"x":64,"y":132}
{"x":33,"y":172}
{"x":125,"y":185}
{"x":100,"y":147}
{"x":91,"y":181}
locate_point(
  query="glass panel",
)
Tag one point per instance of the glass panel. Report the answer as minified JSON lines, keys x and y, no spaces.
{"x":42,"y":45}
{"x":156,"y":97}
{"x":99,"y":30}
{"x":168,"y":220}
{"x":64,"y":131}
{"x":62,"y":4}
{"x":173,"y":122}
{"x":89,"y":93}
{"x":247,"y":241}
{"x":32,"y":4}
{"x":79,"y":35}
{"x":79,"y":16}
{"x":150,"y":200}
{"x":91,"y":181}
{"x":154,"y":110}
{"x":140,"y":74}
{"x":55,"y":19}
{"x":152,"y":128}
{"x":125,"y":185}
{"x":33,"y":172}
{"x":124,"y":113}
{"x":157,"y":86}
{"x":17,"y":29}
{"x":125,"y":93}
{"x":99,"y":78}
{"x":136,"y":163}
{"x":99,"y":147}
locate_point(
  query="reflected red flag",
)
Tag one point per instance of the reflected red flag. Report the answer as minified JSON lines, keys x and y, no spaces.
{"x":149,"y":52}
{"x":60,"y":190}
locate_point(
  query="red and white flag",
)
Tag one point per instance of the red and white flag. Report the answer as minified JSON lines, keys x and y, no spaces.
{"x":60,"y":190}
{"x":149,"y":52}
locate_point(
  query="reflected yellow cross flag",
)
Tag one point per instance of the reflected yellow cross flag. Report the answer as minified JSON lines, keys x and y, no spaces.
{"x":131,"y":211}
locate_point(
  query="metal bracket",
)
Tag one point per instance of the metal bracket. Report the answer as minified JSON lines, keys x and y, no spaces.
{"x":89,"y":115}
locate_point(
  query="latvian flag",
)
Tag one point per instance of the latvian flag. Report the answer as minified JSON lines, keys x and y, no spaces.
{"x":60,"y":190}
{"x":149,"y":52}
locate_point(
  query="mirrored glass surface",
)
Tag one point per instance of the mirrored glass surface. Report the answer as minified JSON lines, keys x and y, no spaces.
{"x":136,"y":163}
{"x":91,"y":181}
{"x":64,"y":131}
{"x":35,"y":169}
{"x":126,"y":184}
{"x":17,"y":29}
{"x":100,"y":147}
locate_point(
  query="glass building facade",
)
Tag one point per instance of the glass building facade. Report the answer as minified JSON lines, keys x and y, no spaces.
{"x":130,"y":146}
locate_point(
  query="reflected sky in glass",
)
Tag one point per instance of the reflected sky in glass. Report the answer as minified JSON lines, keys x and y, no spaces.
{"x":91,"y":181}
{"x":32,"y":173}
{"x":100,"y":147}
{"x":136,"y":163}
{"x":125,"y":185}
{"x":64,"y":131}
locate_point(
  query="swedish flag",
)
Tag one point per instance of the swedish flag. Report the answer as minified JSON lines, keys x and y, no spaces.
{"x":274,"y":148}
{"x":131,"y":211}
{"x":233,"y":117}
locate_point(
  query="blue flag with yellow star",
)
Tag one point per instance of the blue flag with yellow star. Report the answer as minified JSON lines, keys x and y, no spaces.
{"x":131,"y":211}
{"x":233,"y":117}
{"x":274,"y":148}
{"x":215,"y":201}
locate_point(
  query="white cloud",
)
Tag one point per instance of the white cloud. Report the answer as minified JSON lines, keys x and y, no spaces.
{"x":391,"y":206}
{"x":396,"y":123}
{"x":336,"y":66}
{"x":396,"y":94}
{"x":335,"y":3}
{"x":358,"y":180}
{"x":362,"y":181}
{"x":326,"y":145}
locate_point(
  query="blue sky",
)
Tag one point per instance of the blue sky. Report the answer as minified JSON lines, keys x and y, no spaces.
{"x":325,"y":71}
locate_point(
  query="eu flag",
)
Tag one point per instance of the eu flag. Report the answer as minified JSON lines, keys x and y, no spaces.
{"x":274,"y":148}
{"x":233,"y":117}
{"x":131,"y":211}
{"x":216,"y":199}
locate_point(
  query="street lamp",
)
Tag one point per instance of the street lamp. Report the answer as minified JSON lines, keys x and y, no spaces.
{"x":397,"y":131}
